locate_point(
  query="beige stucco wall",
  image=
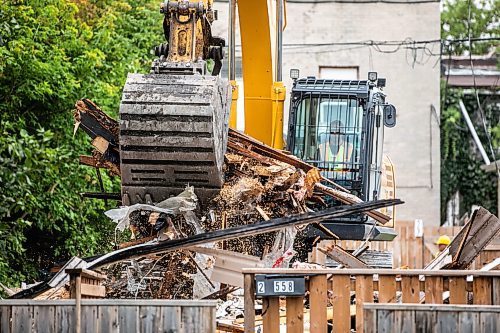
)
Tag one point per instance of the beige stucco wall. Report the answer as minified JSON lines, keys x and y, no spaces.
{"x":412,"y":86}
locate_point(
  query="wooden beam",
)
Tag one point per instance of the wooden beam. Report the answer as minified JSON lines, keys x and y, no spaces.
{"x":343,"y":257}
{"x":347,"y":198}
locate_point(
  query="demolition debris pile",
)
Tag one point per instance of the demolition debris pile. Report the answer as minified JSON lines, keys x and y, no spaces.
{"x":261,"y":184}
{"x":181,"y":248}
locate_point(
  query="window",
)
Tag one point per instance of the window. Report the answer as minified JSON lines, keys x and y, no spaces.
{"x":328,"y":134}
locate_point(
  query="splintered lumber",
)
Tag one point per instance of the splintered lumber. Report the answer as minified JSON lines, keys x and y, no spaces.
{"x":252,"y":145}
{"x":484,"y":227}
{"x":95,"y":122}
{"x":348,"y":199}
{"x":239,"y":231}
{"x":104,"y":133}
{"x":469,"y":242}
{"x":345,"y":258}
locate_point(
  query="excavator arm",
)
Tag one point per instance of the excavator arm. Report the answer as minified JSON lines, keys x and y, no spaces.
{"x":174,"y":121}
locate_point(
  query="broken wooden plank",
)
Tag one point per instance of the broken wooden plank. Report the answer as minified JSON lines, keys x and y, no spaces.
{"x":345,"y":258}
{"x":347,"y":198}
{"x":484,"y":228}
{"x":264,"y":150}
{"x":95,"y":122}
{"x":364,"y":294}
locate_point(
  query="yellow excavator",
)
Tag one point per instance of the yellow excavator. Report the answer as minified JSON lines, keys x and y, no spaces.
{"x":174,"y":121}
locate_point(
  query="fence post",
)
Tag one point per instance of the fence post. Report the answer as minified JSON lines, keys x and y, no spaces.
{"x":249,"y":302}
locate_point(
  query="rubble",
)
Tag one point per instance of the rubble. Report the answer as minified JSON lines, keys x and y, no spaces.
{"x":261,"y":184}
{"x":181,"y":248}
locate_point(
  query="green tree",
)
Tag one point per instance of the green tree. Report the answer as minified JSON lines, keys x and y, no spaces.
{"x":52,"y":53}
{"x":460,"y":161}
{"x":483,"y":24}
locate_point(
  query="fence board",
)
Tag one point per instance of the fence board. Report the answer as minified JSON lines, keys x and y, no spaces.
{"x":481,"y":287}
{"x":387,"y":289}
{"x":89,"y":319}
{"x":190,"y":317}
{"x":341,"y":303}
{"x":496,"y":291}
{"x":42,"y":318}
{"x":410,"y":287}
{"x":108,"y":319}
{"x":489,"y":322}
{"x":128,"y":319}
{"x":364,"y":294}
{"x":433,"y":290}
{"x":295,"y":315}
{"x":171,"y":318}
{"x":385,"y":321}
{"x":249,"y":303}
{"x":425,"y":321}
{"x":5,"y":318}
{"x":458,"y":292}
{"x":271,"y":314}
{"x":447,"y":321}
{"x":434,"y":318}
{"x":65,"y":319}
{"x":21,"y":319}
{"x":318,"y":301}
{"x":468,"y":321}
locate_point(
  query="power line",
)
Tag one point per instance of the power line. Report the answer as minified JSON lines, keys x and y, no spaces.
{"x":407,"y":41}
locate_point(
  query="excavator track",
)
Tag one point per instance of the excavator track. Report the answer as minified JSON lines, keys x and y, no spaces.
{"x":173,"y":133}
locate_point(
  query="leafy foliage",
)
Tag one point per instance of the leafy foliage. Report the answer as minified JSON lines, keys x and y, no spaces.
{"x":460,"y":160}
{"x":52,"y":53}
{"x":483,"y":24}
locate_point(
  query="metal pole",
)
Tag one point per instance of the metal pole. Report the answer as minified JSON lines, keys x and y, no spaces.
{"x":279,"y":40}
{"x":232,"y":40}
{"x":473,"y":132}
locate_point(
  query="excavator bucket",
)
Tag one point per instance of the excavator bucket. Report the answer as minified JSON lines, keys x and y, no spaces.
{"x":173,"y":133}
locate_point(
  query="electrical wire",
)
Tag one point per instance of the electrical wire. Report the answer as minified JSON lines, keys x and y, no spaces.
{"x":481,"y":112}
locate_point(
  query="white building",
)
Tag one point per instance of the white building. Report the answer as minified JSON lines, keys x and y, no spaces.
{"x":330,"y":39}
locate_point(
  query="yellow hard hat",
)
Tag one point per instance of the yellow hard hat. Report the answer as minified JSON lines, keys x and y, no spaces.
{"x":445,"y":240}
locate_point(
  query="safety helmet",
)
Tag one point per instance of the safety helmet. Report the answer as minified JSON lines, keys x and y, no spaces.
{"x":444,"y":240}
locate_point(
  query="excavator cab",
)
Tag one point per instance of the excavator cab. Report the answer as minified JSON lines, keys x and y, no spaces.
{"x":338,"y":126}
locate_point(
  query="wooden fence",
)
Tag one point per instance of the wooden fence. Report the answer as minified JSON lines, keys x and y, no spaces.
{"x":330,"y":294}
{"x":397,"y":318}
{"x":107,"y":315}
{"x":416,"y":252}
